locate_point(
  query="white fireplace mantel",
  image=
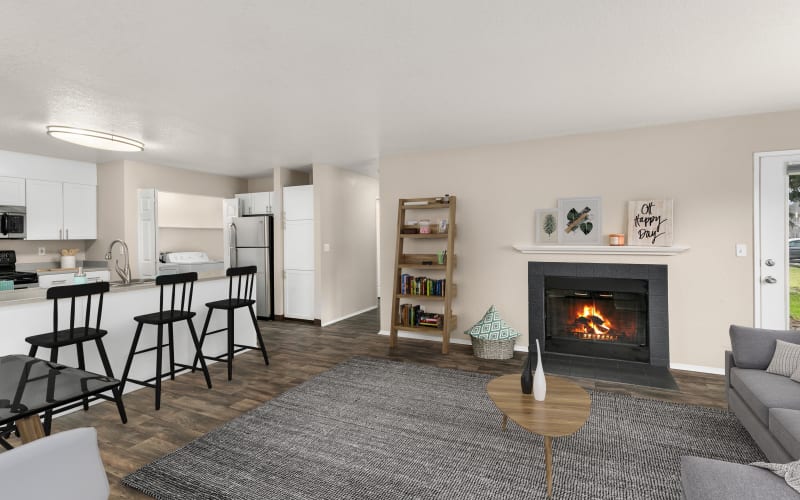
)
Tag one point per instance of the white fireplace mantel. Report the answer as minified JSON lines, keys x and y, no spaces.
{"x":528,"y":248}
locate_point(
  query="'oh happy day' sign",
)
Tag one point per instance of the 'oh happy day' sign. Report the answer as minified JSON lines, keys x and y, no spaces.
{"x":650,"y":223}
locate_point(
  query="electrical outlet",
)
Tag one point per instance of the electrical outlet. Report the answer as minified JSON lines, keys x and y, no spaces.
{"x":741,"y":250}
{"x":326,"y":247}
{"x":42,"y":251}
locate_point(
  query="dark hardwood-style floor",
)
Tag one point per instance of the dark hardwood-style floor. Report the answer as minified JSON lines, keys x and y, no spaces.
{"x":298,"y":352}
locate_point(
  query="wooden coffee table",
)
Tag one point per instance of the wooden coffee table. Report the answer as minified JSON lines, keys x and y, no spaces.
{"x":563,"y":412}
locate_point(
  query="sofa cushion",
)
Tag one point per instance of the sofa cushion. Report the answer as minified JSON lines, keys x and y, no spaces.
{"x":784,"y":424}
{"x":706,"y":479}
{"x":754,"y":347}
{"x":762,"y":391}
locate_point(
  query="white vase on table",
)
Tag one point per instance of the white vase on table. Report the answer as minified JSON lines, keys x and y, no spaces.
{"x":539,"y":382}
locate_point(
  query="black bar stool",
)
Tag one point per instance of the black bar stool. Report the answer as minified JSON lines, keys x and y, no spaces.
{"x":161,"y":318}
{"x":77,"y":336}
{"x":244,"y":298}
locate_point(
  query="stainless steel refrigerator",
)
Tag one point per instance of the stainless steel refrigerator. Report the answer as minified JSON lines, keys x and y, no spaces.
{"x":250,"y":244}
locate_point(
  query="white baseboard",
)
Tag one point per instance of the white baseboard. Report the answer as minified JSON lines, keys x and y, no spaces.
{"x":349,"y":316}
{"x":697,"y":368}
{"x":434,"y":337}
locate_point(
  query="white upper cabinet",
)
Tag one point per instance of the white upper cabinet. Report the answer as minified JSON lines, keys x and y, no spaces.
{"x":45,"y":210}
{"x":80,"y":212}
{"x":60,"y":211}
{"x":261,"y":203}
{"x":12,"y":191}
{"x":298,"y":202}
{"x":255,"y":203}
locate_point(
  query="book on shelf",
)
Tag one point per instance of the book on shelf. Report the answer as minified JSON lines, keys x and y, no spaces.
{"x":413,"y":315}
{"x":413,"y":285}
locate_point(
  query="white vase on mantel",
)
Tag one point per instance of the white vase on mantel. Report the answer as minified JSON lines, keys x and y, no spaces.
{"x":539,"y":382}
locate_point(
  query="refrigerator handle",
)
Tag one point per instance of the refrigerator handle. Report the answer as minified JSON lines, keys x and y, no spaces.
{"x":233,"y":243}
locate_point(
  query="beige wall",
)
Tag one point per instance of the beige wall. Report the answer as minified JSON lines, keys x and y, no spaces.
{"x":120,"y":221}
{"x":344,"y":205}
{"x":261,"y":184}
{"x":28,"y":251}
{"x":706,"y":167}
{"x":110,"y":208}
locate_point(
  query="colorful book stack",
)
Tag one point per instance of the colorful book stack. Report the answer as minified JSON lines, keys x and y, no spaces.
{"x":410,"y":285}
{"x":411,"y":315}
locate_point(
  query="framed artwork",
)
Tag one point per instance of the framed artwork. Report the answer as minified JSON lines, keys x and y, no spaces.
{"x":546,"y":226}
{"x":650,"y":223}
{"x":579,"y":221}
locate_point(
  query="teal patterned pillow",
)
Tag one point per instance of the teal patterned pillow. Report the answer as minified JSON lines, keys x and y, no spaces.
{"x":492,"y":327}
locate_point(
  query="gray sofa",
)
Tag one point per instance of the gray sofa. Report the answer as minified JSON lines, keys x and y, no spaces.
{"x":768,"y":406}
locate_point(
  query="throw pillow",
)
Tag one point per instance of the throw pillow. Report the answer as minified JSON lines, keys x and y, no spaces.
{"x":786,"y":359}
{"x":492,"y":327}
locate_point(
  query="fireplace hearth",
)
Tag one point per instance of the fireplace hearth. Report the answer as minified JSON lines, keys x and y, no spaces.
{"x":611,"y":311}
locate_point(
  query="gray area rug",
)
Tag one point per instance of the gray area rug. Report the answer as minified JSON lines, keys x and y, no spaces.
{"x":388,"y":430}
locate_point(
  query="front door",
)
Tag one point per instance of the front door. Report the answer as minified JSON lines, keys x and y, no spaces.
{"x":775,"y":199}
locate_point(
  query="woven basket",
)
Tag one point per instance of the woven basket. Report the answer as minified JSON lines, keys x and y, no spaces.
{"x":493,"y":349}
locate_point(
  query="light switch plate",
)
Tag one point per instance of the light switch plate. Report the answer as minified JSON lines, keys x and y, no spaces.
{"x":42,"y":251}
{"x":741,"y":250}
{"x":326,"y":247}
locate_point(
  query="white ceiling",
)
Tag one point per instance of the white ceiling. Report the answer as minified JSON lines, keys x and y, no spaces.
{"x":241,"y":86}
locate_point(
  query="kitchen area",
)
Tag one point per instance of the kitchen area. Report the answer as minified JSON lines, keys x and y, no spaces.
{"x":50,"y":220}
{"x":309,"y":232}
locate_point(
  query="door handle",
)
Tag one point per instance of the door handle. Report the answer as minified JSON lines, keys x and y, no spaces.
{"x":60,"y":232}
{"x":66,"y":231}
{"x":769,"y":262}
{"x":770,"y":279}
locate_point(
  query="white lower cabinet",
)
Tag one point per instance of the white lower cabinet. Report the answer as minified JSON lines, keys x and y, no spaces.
{"x":299,"y":294}
{"x":61,"y":279}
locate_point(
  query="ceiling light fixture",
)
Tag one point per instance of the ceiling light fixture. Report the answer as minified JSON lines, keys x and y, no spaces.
{"x":94,"y":139}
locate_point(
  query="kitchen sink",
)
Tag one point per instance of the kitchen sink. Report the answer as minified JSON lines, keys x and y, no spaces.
{"x":137,"y":281}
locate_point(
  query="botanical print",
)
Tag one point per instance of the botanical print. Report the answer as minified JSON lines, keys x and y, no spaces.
{"x":579,"y":221}
{"x":546,"y":225}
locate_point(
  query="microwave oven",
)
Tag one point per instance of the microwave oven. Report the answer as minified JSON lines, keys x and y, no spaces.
{"x":12,"y":222}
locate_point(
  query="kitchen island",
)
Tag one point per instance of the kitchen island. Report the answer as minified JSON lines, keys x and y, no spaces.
{"x":27,"y":312}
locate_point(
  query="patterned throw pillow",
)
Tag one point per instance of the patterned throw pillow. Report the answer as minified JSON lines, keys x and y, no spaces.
{"x":786,"y":359}
{"x":492,"y":327}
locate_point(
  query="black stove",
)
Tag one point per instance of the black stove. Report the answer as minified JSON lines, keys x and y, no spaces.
{"x":8,"y":270}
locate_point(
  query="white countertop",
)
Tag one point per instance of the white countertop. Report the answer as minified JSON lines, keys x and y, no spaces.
{"x":31,"y":295}
{"x":42,"y":272}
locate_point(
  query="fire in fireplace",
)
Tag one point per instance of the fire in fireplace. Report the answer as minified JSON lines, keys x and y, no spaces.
{"x":597,"y":317}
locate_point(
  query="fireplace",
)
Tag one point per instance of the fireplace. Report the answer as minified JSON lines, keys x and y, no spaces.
{"x":612,"y":311}
{"x":597,"y":317}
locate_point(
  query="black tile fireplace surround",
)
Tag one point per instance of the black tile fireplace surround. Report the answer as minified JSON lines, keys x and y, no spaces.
{"x":653,"y":279}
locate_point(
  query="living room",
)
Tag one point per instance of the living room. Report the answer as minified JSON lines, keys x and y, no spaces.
{"x":493,"y":112}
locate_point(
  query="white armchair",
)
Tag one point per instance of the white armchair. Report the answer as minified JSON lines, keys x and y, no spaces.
{"x":65,"y":465}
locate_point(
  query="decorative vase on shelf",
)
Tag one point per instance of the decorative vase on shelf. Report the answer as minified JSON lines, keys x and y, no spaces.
{"x":539,"y":382}
{"x":527,"y":374}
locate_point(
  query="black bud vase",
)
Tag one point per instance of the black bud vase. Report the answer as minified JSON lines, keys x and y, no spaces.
{"x":527,"y":375}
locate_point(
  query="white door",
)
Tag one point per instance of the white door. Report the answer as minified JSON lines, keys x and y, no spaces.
{"x":298,"y":202}
{"x":12,"y":191}
{"x":230,"y":209}
{"x":298,"y":302}
{"x":45,"y":210}
{"x":298,"y":245}
{"x":147,"y":230}
{"x":80,"y":212}
{"x":773,"y":233}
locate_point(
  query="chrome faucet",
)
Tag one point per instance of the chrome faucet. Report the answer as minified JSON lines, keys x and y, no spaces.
{"x":124,"y":273}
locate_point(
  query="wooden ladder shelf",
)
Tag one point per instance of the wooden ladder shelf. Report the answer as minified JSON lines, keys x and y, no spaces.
{"x":425,"y":264}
